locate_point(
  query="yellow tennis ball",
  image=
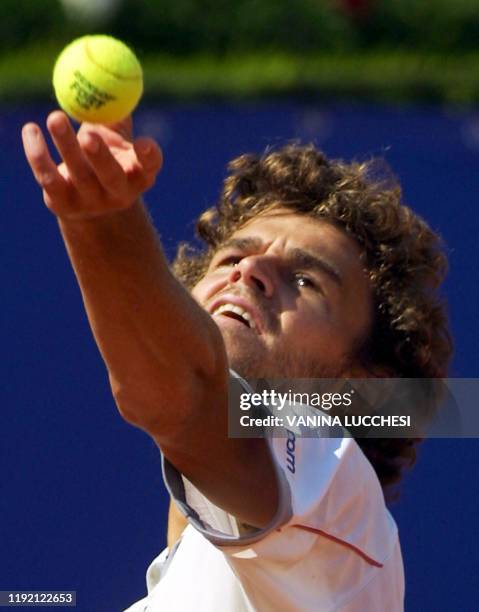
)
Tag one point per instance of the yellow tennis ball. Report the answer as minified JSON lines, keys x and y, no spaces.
{"x":97,"y":79}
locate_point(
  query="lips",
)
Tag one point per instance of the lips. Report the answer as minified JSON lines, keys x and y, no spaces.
{"x":237,"y":308}
{"x":236,"y":312}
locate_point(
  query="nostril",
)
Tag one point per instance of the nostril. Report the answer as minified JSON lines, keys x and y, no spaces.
{"x":259,"y":283}
{"x":235,"y":274}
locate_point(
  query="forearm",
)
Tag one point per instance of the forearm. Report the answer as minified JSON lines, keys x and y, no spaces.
{"x":165,"y":356}
{"x":149,"y":330}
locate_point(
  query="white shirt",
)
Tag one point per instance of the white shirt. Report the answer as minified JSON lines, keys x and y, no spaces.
{"x":331,"y":546}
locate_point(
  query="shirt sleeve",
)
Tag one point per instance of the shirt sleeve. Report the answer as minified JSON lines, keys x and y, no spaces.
{"x":326,"y":486}
{"x":218,"y":526}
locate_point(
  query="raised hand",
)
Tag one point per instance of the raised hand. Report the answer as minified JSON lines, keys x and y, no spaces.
{"x":103,"y":171}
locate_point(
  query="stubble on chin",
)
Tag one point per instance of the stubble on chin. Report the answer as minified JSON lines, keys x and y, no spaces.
{"x":282,"y":362}
{"x":245,"y":359}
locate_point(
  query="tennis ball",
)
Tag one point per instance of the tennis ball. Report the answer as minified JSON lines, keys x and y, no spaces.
{"x":97,"y":79}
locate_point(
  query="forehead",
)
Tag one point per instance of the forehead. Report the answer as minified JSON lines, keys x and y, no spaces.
{"x":285,"y":230}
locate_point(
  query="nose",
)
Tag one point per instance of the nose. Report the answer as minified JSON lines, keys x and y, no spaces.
{"x":256,"y":272}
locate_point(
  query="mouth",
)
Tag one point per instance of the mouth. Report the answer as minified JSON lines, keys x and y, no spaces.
{"x":238,"y":309}
{"x":233,"y":311}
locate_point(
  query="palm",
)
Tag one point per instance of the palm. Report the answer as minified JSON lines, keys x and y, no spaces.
{"x":118,"y":138}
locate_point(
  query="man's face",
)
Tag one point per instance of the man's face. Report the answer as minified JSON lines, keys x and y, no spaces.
{"x":290,"y":296}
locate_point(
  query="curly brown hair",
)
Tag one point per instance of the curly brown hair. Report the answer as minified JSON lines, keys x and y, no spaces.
{"x":403,"y":256}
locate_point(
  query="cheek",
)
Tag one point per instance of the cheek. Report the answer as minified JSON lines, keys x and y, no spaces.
{"x":305,"y":316}
{"x":207,"y":287}
{"x":199,"y":291}
{"x":313,"y":328}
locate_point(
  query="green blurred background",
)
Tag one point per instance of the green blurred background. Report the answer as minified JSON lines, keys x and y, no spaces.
{"x":379,"y":50}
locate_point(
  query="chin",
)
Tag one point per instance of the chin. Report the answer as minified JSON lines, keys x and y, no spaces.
{"x":247,"y":361}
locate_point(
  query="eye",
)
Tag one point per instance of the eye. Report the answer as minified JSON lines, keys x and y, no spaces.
{"x":229,"y":260}
{"x":304,"y":281}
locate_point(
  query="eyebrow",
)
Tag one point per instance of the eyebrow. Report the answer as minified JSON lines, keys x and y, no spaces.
{"x":243,"y":244}
{"x":308,"y":261}
{"x":299,"y":257}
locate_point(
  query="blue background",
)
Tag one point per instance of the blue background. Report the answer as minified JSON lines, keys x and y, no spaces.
{"x":82,"y":504}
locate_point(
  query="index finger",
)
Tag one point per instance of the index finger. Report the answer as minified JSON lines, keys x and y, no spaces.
{"x":66,"y":142}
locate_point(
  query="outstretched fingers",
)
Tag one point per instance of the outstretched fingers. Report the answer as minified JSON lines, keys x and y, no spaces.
{"x":150,"y":160}
{"x":108,"y":171}
{"x":126,"y":174}
{"x":102,"y":170}
{"x":80,"y":172}
{"x":43,"y":167}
